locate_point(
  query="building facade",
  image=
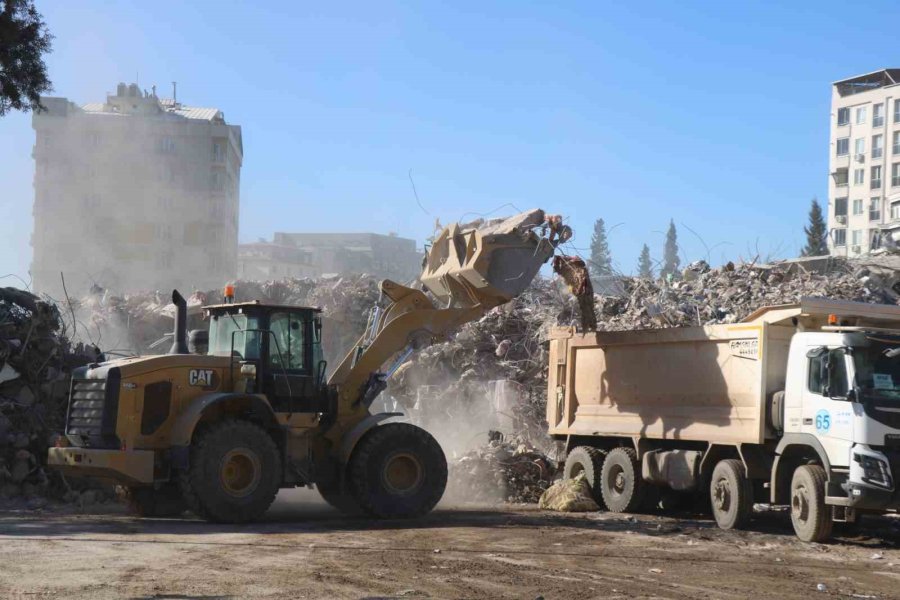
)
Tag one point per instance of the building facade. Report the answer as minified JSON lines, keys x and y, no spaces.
{"x":864,"y":181}
{"x":316,"y":254}
{"x":134,"y":193}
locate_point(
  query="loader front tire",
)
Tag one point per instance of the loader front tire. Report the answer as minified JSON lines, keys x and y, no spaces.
{"x":397,"y":471}
{"x":234,"y":472}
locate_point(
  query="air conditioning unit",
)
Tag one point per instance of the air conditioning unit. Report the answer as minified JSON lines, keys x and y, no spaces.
{"x":841,"y":219}
{"x":860,"y":158}
{"x":855,"y":249}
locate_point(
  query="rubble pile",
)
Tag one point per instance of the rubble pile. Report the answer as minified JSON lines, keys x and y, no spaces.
{"x":706,"y":296}
{"x":36,"y":359}
{"x":501,"y":471}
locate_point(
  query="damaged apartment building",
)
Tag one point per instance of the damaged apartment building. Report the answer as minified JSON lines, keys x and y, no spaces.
{"x":317,"y":254}
{"x":134,"y":193}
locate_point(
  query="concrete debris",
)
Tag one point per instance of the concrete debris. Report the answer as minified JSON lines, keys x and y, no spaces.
{"x":36,"y":359}
{"x":517,"y":471}
{"x":569,"y":495}
{"x":574,"y":272}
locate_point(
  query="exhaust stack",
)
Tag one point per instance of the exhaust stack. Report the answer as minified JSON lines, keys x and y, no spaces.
{"x":179,"y":345}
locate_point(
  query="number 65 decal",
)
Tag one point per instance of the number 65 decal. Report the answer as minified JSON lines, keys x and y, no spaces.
{"x":823,"y":421}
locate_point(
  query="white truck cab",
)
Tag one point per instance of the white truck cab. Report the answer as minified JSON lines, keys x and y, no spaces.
{"x":843,"y":390}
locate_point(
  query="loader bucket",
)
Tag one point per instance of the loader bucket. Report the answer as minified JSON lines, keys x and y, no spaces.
{"x":490,"y":263}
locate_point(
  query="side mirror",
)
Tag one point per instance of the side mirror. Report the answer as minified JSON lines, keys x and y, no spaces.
{"x":320,"y":373}
{"x":852,"y":396}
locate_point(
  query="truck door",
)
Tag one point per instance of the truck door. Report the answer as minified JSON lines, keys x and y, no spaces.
{"x":826,"y":413}
{"x":288,"y":377}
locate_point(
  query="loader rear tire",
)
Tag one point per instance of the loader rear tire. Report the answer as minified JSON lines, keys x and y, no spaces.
{"x":397,"y":471}
{"x":731,"y":494}
{"x":621,"y":482}
{"x":587,"y":460}
{"x":234,"y":473}
{"x":166,"y":501}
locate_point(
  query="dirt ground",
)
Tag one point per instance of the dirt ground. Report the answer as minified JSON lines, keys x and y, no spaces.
{"x":306,"y":550}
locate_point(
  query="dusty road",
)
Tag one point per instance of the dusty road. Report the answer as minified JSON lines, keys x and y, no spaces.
{"x":305,"y":550}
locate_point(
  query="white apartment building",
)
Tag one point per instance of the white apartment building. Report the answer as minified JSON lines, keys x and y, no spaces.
{"x":864,"y":182}
{"x":135,"y":193}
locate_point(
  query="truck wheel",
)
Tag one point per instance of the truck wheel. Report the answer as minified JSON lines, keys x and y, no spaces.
{"x":809,"y":515}
{"x":731,"y":494}
{"x":620,"y":481}
{"x":166,"y":501}
{"x":234,"y":473}
{"x":589,"y":461}
{"x":397,"y":470}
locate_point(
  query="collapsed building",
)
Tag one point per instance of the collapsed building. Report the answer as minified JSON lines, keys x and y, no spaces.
{"x":482,"y":393}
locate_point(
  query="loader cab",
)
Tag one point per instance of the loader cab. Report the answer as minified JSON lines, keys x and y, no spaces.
{"x":283,"y":343}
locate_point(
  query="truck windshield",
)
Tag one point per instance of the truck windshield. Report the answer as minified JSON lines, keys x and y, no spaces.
{"x":223,"y":327}
{"x":878,"y":368}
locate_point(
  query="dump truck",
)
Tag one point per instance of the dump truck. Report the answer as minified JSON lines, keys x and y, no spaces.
{"x":797,"y":405}
{"x":221,"y":433}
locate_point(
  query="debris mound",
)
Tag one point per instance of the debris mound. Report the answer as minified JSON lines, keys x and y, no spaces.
{"x":569,"y":495}
{"x":36,"y":360}
{"x":501,"y":471}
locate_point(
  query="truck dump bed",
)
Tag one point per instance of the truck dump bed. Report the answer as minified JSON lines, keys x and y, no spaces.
{"x":700,"y":383}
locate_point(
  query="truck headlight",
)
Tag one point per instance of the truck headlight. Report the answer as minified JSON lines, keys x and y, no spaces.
{"x":875,"y":470}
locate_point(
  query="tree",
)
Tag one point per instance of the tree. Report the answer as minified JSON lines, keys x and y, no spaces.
{"x":816,"y":232}
{"x":645,"y":265}
{"x":670,"y":253}
{"x":24,"y":40}
{"x":600,"y":263}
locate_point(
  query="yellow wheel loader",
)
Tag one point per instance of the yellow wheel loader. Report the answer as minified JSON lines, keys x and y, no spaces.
{"x":220,"y":433}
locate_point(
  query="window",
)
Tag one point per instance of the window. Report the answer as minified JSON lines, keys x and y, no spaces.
{"x":166,"y":202}
{"x":878,"y":115}
{"x":286,"y":350}
{"x":167,"y":144}
{"x":827,"y":372}
{"x":856,"y":237}
{"x":218,"y":154}
{"x":896,"y":111}
{"x":840,"y":177}
{"x":163,"y":231}
{"x":858,"y":206}
{"x":859,"y":176}
{"x":843,"y":146}
{"x":896,"y":143}
{"x":840,"y":237}
{"x":895,"y":211}
{"x":895,"y":174}
{"x":875,"y":178}
{"x":840,"y":207}
{"x":874,"y":239}
{"x":859,"y":146}
{"x":860,"y":115}
{"x":843,"y":116}
{"x":877,"y":146}
{"x":875,"y":209}
{"x":218,"y":180}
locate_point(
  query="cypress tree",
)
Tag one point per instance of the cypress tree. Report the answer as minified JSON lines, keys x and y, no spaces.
{"x":816,"y":232}
{"x":601,"y":262}
{"x":671,"y":261}
{"x":645,"y":265}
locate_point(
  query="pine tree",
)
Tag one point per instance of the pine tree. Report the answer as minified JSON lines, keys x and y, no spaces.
{"x":645,"y":265}
{"x":670,"y":253}
{"x":601,"y":262}
{"x":816,"y":232}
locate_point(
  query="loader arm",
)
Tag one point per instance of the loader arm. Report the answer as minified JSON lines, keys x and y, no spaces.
{"x":469,"y":269}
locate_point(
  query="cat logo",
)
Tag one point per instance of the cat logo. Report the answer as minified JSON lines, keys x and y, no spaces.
{"x":205,"y":378}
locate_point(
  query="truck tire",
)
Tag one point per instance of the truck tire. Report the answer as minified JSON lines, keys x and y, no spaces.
{"x":166,"y":501}
{"x":809,"y":514}
{"x":234,"y":472}
{"x":338,"y":497}
{"x":397,"y":471}
{"x":731,"y":495}
{"x":620,"y":481}
{"x":587,"y":460}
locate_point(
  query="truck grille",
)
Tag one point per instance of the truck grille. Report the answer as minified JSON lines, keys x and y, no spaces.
{"x":93,"y":409}
{"x":86,"y":407}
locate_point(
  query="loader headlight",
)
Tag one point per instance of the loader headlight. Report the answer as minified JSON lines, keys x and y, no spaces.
{"x":875,"y":471}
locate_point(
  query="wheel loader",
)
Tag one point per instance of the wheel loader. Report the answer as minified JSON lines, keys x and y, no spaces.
{"x":220,"y":433}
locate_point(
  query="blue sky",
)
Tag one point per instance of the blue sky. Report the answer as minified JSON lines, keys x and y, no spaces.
{"x":714,"y":114}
